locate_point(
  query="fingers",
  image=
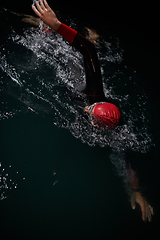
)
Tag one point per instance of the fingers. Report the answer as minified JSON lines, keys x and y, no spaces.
{"x":149,"y":216}
{"x":36,"y":11}
{"x":151,"y":210}
{"x":147,"y":213}
{"x":39,"y":7}
{"x":133,"y":203}
{"x":150,"y":213}
{"x":42,"y":5}
{"x":46,"y":5}
{"x":144,"y":209}
{"x":143,"y":213}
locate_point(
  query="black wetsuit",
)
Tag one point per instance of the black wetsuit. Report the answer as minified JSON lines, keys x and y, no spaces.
{"x":94,"y":86}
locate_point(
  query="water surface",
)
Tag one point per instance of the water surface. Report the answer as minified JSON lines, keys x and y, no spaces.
{"x":59,"y":175}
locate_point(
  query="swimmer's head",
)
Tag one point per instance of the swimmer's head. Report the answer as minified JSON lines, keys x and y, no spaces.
{"x":104,"y":114}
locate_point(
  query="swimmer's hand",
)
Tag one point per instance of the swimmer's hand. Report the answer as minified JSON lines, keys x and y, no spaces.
{"x":147,"y":210}
{"x":47,"y":15}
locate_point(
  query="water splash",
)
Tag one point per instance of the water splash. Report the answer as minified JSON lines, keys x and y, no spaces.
{"x":8,"y":180}
{"x":45,"y":66}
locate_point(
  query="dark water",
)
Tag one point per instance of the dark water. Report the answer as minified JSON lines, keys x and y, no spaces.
{"x":60,"y":177}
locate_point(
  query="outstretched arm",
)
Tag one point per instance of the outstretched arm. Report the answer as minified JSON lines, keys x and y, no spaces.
{"x":94,"y":86}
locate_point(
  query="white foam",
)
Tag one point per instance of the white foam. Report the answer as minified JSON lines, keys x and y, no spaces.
{"x":53,"y":63}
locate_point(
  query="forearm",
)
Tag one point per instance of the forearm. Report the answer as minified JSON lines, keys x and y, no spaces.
{"x":133,"y":179}
{"x":67,"y":32}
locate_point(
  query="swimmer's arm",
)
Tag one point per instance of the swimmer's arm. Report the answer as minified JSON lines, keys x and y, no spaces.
{"x":137,"y":197}
{"x":147,"y":210}
{"x":46,"y":14}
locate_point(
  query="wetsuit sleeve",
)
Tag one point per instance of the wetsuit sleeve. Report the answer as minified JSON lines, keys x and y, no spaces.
{"x":67,"y":32}
{"x":132,"y":179}
{"x":94,"y":86}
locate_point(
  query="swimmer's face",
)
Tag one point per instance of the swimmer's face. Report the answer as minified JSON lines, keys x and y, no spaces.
{"x":86,"y":109}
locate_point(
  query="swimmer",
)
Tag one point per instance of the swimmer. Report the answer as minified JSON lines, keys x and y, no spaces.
{"x":101,"y":112}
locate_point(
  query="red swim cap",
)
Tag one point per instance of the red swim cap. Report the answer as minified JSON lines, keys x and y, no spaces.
{"x":107,"y":114}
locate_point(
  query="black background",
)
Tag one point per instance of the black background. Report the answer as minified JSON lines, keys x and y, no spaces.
{"x":136,"y":24}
